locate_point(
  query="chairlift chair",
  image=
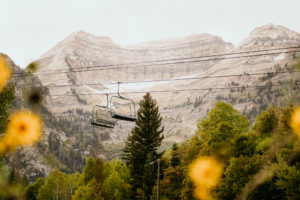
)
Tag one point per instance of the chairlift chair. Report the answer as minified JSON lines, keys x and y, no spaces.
{"x":118,"y":108}
{"x":102,"y":116}
{"x":123,"y":108}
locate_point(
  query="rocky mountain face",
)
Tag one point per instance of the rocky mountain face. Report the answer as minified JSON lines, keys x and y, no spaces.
{"x":84,"y":59}
{"x":203,"y":69}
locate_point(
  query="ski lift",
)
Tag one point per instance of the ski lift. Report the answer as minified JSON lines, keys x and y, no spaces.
{"x":102,"y":116}
{"x":123,"y":108}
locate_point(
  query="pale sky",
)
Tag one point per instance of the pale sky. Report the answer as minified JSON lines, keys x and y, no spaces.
{"x":29,"y":28}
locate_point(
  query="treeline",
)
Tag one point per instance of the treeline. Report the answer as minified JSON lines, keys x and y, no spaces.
{"x":261,"y":161}
{"x":98,"y":180}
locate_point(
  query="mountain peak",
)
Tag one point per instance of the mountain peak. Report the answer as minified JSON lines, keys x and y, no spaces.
{"x":81,"y":35}
{"x":270,"y":28}
{"x":271,"y":35}
{"x":80,"y":39}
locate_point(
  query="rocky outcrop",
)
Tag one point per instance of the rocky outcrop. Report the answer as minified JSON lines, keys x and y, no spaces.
{"x":270,"y":35}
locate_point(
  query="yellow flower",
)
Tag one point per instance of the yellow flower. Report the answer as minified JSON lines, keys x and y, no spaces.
{"x":7,"y":145}
{"x":24,"y":128}
{"x":5,"y":72}
{"x":295,"y":121}
{"x":203,"y":193}
{"x":205,"y":172}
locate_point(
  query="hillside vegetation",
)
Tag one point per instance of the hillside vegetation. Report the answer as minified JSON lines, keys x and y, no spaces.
{"x":259,"y":162}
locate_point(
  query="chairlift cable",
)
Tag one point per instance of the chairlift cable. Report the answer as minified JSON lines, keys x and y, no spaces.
{"x":172,"y":63}
{"x":170,"y":79}
{"x":185,"y":58}
{"x":178,"y":90}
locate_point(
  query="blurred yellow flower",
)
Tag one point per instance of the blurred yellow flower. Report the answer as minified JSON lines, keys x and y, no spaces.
{"x":5,"y":72}
{"x":295,"y":121}
{"x":203,"y":193}
{"x":24,"y":128}
{"x":205,"y":172}
{"x":7,"y":145}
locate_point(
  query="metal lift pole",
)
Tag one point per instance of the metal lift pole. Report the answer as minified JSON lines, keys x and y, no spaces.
{"x":106,"y":100}
{"x":119,"y":88}
{"x":158,"y":182}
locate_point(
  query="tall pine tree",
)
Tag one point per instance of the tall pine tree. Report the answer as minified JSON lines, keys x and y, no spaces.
{"x":140,"y":151}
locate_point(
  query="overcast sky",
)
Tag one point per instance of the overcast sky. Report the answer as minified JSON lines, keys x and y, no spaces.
{"x":29,"y":28}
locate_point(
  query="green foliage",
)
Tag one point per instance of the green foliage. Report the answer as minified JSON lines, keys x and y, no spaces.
{"x":141,"y":148}
{"x":73,"y":181}
{"x":266,"y":122}
{"x":237,"y":174}
{"x":267,"y":191}
{"x":297,"y":64}
{"x":263,"y":145}
{"x":217,"y":134}
{"x":172,"y":183}
{"x":32,"y":190}
{"x":90,"y":191}
{"x":84,"y":192}
{"x":116,"y":184}
{"x":11,"y":183}
{"x":192,"y":149}
{"x":288,"y":180}
{"x":56,"y":186}
{"x":119,"y":167}
{"x":226,"y":114}
{"x":220,"y":127}
{"x":115,"y":187}
{"x":106,"y":181}
{"x":94,"y":169}
{"x":244,"y":144}
{"x":6,"y":100}
{"x":284,"y":184}
{"x":225,"y":134}
{"x":259,"y":163}
{"x":284,"y":119}
{"x":175,"y":160}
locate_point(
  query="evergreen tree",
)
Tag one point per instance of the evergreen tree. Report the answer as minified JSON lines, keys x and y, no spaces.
{"x":140,"y":151}
{"x":175,"y":160}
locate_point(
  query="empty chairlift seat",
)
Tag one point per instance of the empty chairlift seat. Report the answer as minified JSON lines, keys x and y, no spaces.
{"x":103,"y":116}
{"x":123,"y":108}
{"x":118,"y":108}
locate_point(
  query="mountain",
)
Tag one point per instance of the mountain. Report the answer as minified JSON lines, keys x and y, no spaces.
{"x":82,"y":51}
{"x":87,"y":63}
{"x":79,"y":70}
{"x":90,"y":60}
